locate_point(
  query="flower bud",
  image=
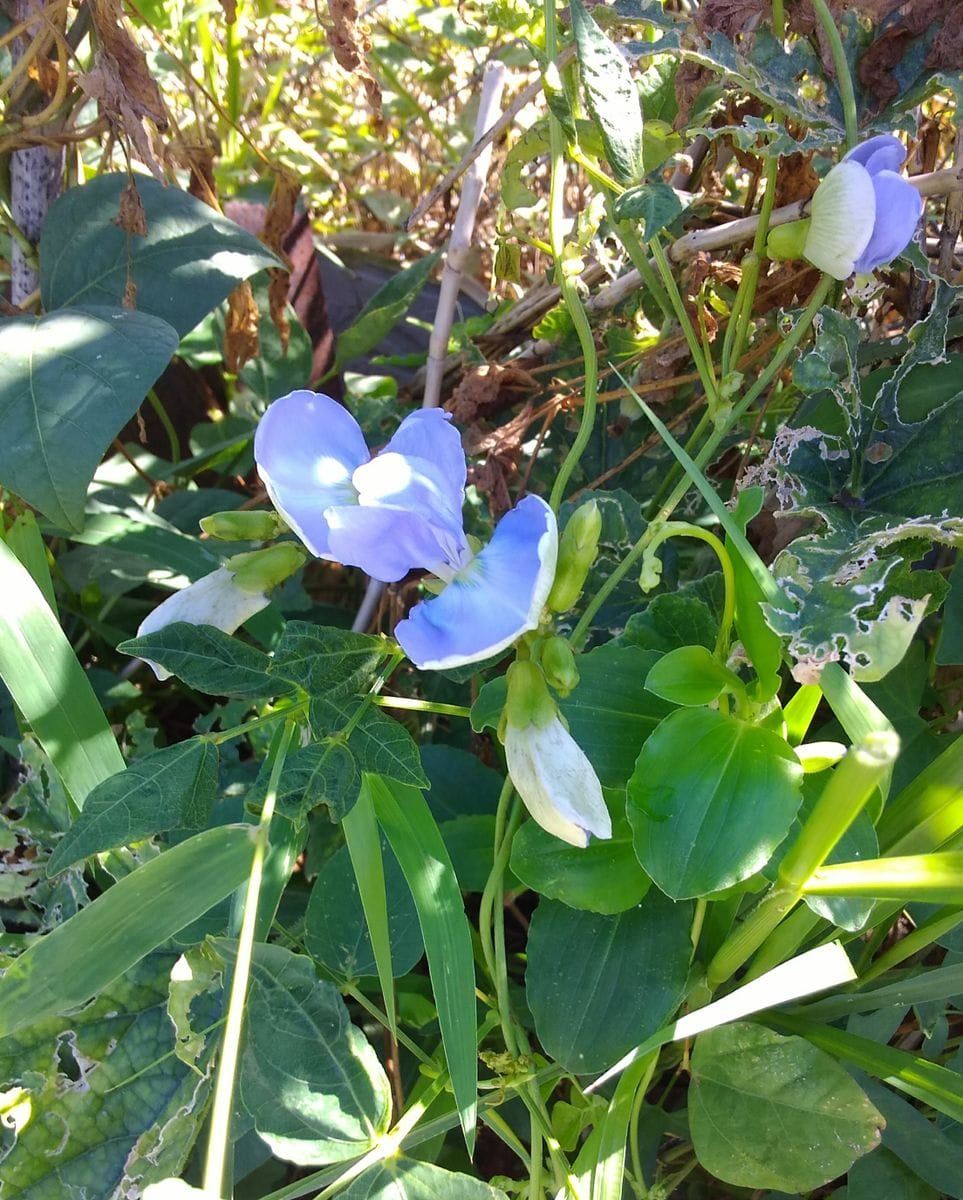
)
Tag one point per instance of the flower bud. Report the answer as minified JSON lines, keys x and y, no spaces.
{"x":239,"y":526}
{"x":529,"y":700}
{"x":577,"y":549}
{"x":262,"y":570}
{"x":787,"y":241}
{"x":558,"y":664}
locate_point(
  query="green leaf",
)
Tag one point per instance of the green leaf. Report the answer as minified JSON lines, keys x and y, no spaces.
{"x":174,"y":788}
{"x":710,"y":799}
{"x":49,"y":686}
{"x":654,"y":204}
{"x":325,"y":661}
{"x":26,"y":541}
{"x":140,"y":912}
{"x":68,"y":381}
{"x":767,"y":1111}
{"x":400,"y":1178}
{"x":690,"y":676}
{"x":414,"y":837}
{"x":209,"y":660}
{"x":919,"y":1143}
{"x":335,"y":930}
{"x":379,"y":743}
{"x":461,"y":784}
{"x":590,"y":1000}
{"x":382,"y":312}
{"x":308,"y":1077}
{"x":323,"y":772}
{"x":674,"y":619}
{"x":761,"y":643}
{"x":882,"y":1176}
{"x":610,"y":714}
{"x":113,"y":1108}
{"x":604,"y":877}
{"x":610,"y":95}
{"x":191,"y":259}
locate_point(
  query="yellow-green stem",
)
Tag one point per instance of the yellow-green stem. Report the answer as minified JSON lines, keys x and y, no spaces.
{"x":844,"y":80}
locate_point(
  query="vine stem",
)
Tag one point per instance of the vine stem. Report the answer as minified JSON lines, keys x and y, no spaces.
{"x":844,"y":80}
{"x":219,"y":1138}
{"x":788,"y":347}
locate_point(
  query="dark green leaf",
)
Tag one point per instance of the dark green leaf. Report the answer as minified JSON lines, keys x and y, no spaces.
{"x":404,"y":1179}
{"x":767,"y":1111}
{"x":461,"y":784}
{"x":611,"y":96}
{"x":209,"y":660}
{"x":379,"y":743}
{"x":604,"y":877}
{"x":654,"y":204}
{"x":925,"y":1148}
{"x":383,"y":311}
{"x":672,"y":620}
{"x":326,"y":661}
{"x":610,"y":714}
{"x":191,"y":259}
{"x":599,"y":985}
{"x":324,"y":772}
{"x":309,"y":1078}
{"x":710,"y":799}
{"x":175,"y":788}
{"x":335,"y":931}
{"x":68,"y":381}
{"x":882,"y":1176}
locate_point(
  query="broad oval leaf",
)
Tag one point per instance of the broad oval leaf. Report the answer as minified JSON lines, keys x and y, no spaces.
{"x":335,"y":931}
{"x":69,"y":381}
{"x":604,"y":877}
{"x":309,"y":1078}
{"x":140,"y":912}
{"x":767,"y":1111}
{"x":191,"y":259}
{"x":404,"y":1179}
{"x":710,"y":799}
{"x":174,"y":788}
{"x":599,"y":985}
{"x":690,"y":676}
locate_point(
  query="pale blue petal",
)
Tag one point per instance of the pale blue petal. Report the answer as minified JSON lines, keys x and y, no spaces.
{"x":898,"y":209}
{"x":412,"y":485}
{"x":882,"y":153}
{"x":429,"y":437}
{"x":496,"y":599}
{"x":385,"y":542}
{"x":307,"y":447}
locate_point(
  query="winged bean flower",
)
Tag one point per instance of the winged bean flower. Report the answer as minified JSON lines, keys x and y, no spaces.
{"x":401,"y":510}
{"x":864,"y":212}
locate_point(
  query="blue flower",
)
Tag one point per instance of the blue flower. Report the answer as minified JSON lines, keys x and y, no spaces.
{"x":864,"y":212}
{"x":388,"y":514}
{"x":402,"y":510}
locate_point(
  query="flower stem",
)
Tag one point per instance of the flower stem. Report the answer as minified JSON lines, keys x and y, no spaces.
{"x":844,"y":80}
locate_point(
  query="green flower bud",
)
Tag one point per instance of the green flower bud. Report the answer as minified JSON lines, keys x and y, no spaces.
{"x":787,"y":241}
{"x":558,"y":664}
{"x":262,"y":570}
{"x":577,"y":549}
{"x":240,"y":526}
{"x":529,"y":700}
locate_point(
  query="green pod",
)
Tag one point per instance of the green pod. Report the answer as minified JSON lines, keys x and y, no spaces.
{"x":577,"y":549}
{"x":258,"y":526}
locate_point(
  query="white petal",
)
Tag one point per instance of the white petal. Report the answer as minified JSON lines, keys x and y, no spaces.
{"x":557,"y":782}
{"x":843,"y":216}
{"x":214,"y":599}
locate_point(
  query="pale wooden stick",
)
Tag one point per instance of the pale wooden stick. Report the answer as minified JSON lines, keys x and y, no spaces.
{"x":491,"y":93}
{"x":461,"y":235}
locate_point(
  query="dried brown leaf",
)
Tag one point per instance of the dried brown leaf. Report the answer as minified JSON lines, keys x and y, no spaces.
{"x":241,"y":342}
{"x":796,"y":179}
{"x":350,"y":44}
{"x":130,"y":213}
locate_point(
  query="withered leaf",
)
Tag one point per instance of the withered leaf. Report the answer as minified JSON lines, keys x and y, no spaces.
{"x":350,"y":44}
{"x":241,"y":341}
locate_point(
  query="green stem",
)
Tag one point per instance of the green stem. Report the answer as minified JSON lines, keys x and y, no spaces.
{"x":427,"y":706}
{"x":673,"y":529}
{"x":786,"y":349}
{"x":219,"y":1140}
{"x":706,"y":376}
{"x":778,"y":20}
{"x":844,"y":80}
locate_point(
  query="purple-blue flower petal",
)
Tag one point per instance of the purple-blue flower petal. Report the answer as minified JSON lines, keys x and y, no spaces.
{"x":496,"y":599}
{"x":307,"y":447}
{"x":386,"y":542}
{"x":882,"y":153}
{"x":429,"y":438}
{"x":898,"y":209}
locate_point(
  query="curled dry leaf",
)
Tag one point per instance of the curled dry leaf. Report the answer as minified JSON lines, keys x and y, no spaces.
{"x":241,"y":341}
{"x":121,"y":82}
{"x":350,"y":44}
{"x":130,"y":213}
{"x":278,"y":220}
